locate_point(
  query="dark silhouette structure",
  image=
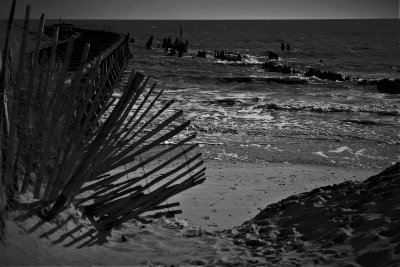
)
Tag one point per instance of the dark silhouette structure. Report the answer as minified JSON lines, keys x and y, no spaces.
{"x":201,"y":54}
{"x":228,"y":56}
{"x":389,"y":86}
{"x":149,"y":42}
{"x":272,"y":55}
{"x":326,"y":75}
{"x":273,"y":66}
{"x":178,"y":46}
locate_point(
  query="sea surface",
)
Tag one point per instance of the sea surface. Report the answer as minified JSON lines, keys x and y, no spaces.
{"x":233,"y":103}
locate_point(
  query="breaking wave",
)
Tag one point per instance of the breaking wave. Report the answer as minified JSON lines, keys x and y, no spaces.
{"x":258,"y":103}
{"x":249,"y":79}
{"x":390,"y":110}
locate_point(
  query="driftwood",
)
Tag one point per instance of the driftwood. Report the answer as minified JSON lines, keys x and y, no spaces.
{"x":66,"y":139}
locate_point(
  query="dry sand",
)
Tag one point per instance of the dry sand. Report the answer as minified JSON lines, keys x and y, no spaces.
{"x":234,"y":192}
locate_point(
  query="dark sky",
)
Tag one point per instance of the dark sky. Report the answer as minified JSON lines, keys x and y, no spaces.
{"x":206,"y":9}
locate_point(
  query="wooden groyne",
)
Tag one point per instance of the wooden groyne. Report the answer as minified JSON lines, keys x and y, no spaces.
{"x":108,"y":44}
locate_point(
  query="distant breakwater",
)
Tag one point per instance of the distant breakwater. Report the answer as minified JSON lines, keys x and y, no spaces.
{"x":273,"y":63}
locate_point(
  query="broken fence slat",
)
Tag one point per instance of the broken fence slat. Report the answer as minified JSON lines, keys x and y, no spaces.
{"x":115,"y":177}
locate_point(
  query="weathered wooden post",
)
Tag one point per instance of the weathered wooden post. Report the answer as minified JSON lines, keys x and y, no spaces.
{"x":149,"y":42}
{"x":164,"y":44}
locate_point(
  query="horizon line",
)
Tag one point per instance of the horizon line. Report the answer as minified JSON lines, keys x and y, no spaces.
{"x":217,"y":19}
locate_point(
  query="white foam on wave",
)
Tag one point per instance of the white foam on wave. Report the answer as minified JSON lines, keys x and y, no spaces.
{"x":246,"y":115}
{"x":246,"y":60}
{"x":226,"y":62}
{"x":382,"y":109}
{"x":320,"y":153}
{"x":351,"y":155}
{"x":360,"y":152}
{"x":339,"y":149}
{"x":251,"y":145}
{"x":249,"y":59}
{"x":188,"y":89}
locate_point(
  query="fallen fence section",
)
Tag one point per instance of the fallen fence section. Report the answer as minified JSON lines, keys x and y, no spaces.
{"x":65,"y":138}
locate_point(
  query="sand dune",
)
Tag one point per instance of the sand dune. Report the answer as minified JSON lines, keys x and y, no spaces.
{"x":349,"y":223}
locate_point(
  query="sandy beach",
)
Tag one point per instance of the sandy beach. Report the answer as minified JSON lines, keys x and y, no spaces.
{"x":269,"y":168}
{"x":235,"y":191}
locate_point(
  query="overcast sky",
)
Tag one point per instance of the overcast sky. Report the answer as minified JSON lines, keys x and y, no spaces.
{"x":206,"y":9}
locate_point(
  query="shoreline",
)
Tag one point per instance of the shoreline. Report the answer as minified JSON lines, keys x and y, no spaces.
{"x":286,"y":149}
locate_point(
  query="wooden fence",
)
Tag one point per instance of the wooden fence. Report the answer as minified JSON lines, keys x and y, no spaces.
{"x":65,"y":139}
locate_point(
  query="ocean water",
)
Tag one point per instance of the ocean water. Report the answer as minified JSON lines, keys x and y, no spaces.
{"x":232,"y":103}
